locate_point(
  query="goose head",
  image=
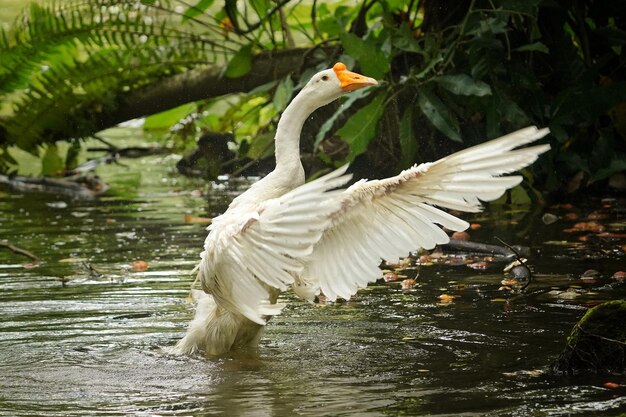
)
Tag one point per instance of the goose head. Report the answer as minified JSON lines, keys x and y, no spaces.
{"x":328,"y":85}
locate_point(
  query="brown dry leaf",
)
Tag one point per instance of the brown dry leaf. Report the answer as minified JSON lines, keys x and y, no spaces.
{"x":391,"y":276}
{"x":408,"y":283}
{"x":446,"y":298}
{"x":619,"y":275}
{"x":139,"y":266}
{"x":479,"y":266}
{"x":460,"y":236}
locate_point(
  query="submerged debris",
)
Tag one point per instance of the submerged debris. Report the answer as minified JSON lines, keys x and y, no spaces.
{"x":80,"y":187}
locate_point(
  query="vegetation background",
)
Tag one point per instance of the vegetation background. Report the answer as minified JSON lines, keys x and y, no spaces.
{"x":454,"y":73}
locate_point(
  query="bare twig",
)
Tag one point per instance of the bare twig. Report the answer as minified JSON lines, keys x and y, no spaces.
{"x":519,"y":259}
{"x":19,"y":251}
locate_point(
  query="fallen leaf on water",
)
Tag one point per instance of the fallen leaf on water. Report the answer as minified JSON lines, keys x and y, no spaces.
{"x":525,"y":372}
{"x":549,"y":218}
{"x":612,"y":235}
{"x":460,"y":236}
{"x":597,"y":215}
{"x":446,"y":298}
{"x":509,"y":282}
{"x":611,"y":385}
{"x":72,"y":260}
{"x":390,"y":276}
{"x":619,"y":275}
{"x":475,"y":226}
{"x":589,"y":227}
{"x":480,"y":266}
{"x":590,"y":274}
{"x":139,"y":266}
{"x":570,"y":294}
{"x":409,"y":283}
{"x":402,"y":263}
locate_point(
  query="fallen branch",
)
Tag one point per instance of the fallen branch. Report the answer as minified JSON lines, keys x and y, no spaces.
{"x":84,"y":186}
{"x":477,"y":247}
{"x":19,"y":251}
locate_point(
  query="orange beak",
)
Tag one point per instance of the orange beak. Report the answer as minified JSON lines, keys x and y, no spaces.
{"x":351,"y":81}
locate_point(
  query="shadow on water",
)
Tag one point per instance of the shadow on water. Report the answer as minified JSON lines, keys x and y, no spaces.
{"x":78,"y":342}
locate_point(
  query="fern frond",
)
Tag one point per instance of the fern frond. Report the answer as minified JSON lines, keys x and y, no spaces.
{"x":42,"y":33}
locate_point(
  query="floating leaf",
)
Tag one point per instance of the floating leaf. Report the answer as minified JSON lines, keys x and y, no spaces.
{"x":464,"y":85}
{"x":439,"y":115}
{"x":360,"y":129}
{"x":240,"y":64}
{"x":139,"y":266}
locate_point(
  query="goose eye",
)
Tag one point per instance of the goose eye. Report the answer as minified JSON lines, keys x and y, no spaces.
{"x":324,"y":77}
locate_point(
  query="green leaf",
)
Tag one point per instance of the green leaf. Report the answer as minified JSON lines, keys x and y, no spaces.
{"x":360,"y":129}
{"x":616,"y":165}
{"x":404,"y":40}
{"x":148,"y":2}
{"x":197,"y":10}
{"x":345,"y":105}
{"x":520,"y":196}
{"x":524,"y":6}
{"x":283,"y":94}
{"x":51,"y":162}
{"x":463,"y":85}
{"x":240,"y":64}
{"x":408,"y":141}
{"x":439,"y":115}
{"x":534,"y":47}
{"x":373,"y":61}
{"x":167,"y":119}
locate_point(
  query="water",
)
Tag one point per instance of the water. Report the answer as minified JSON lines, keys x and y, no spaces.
{"x":76,"y":343}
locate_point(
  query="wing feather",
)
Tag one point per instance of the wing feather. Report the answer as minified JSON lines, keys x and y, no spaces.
{"x":256,"y":248}
{"x":387,"y":219}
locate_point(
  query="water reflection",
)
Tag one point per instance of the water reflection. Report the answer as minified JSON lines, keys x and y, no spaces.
{"x":75,"y":343}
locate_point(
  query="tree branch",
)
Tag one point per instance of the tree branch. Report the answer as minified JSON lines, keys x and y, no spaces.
{"x":208,"y":82}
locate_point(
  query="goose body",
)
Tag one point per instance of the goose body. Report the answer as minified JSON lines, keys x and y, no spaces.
{"x":317,"y":237}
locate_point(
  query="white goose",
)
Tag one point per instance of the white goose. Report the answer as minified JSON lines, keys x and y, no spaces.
{"x":313,"y":237}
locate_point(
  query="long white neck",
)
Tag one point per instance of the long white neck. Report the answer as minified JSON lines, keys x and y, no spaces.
{"x":287,"y":141}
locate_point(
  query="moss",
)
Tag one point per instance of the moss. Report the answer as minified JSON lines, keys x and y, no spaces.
{"x":597,"y":343}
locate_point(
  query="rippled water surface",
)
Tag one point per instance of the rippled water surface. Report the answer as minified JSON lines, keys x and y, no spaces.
{"x":75,"y":341}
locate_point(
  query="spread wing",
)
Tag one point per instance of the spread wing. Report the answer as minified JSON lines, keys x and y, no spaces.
{"x":387,"y":219}
{"x":246,"y":253}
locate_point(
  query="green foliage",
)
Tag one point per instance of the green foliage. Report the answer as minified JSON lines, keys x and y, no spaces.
{"x":360,"y":129}
{"x":240,"y":64}
{"x":439,"y":115}
{"x":51,"y":162}
{"x":466,"y":73}
{"x":65,"y":66}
